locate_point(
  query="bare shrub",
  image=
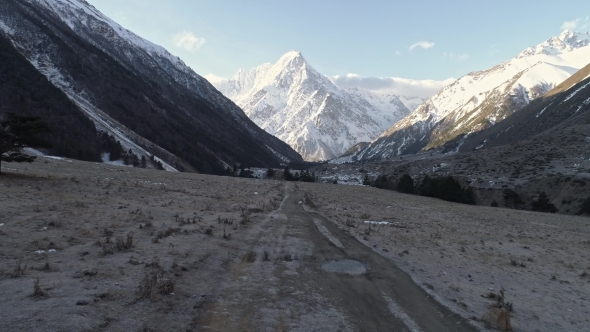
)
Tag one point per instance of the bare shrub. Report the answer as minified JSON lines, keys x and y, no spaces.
{"x":155,"y":283}
{"x":165,"y":234}
{"x":108,"y":248}
{"x":37,"y":291}
{"x":499,"y":315}
{"x":19,"y":270}
{"x":125,"y":244}
{"x":250,"y":257}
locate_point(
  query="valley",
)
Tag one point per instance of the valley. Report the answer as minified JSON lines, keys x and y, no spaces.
{"x":283,"y":198}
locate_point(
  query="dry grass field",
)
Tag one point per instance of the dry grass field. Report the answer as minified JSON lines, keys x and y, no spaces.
{"x":462,"y":253}
{"x":94,"y":247}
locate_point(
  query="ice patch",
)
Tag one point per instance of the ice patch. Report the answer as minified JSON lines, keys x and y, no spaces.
{"x":327,"y":234}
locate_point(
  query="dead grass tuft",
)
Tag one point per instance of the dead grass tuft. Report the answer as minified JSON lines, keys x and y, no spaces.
{"x":250,"y":257}
{"x":125,"y":244}
{"x":19,"y":270}
{"x":153,"y":284}
{"x":37,"y":291}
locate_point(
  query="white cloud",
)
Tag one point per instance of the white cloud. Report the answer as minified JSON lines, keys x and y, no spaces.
{"x":570,"y":25}
{"x":188,"y":41}
{"x":423,"y":44}
{"x":398,"y":52}
{"x":457,"y":57}
{"x":214,"y":78}
{"x":399,"y":86}
{"x":577,"y":24}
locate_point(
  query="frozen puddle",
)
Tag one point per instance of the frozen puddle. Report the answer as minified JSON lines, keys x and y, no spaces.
{"x":346,"y":266}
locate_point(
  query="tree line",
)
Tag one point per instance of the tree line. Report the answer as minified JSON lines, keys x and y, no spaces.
{"x":446,"y":188}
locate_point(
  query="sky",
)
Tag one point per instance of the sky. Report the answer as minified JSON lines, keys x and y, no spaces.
{"x":414,"y":40}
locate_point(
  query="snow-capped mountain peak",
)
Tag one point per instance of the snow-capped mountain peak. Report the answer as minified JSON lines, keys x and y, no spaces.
{"x":294,"y":102}
{"x":291,"y":57}
{"x":567,"y":41}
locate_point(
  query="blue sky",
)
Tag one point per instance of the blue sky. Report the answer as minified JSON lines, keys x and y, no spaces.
{"x":409,"y":39}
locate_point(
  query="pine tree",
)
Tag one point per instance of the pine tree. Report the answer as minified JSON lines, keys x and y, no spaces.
{"x":18,"y":132}
{"x":366,"y":180}
{"x":542,"y":204}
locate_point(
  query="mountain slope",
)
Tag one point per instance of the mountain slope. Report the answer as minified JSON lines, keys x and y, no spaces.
{"x":294,"y":102}
{"x":25,"y":91}
{"x":482,"y":99}
{"x":135,"y":89}
{"x":565,"y":103}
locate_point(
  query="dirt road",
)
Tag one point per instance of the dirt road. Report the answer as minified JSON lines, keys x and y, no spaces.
{"x":303,"y":273}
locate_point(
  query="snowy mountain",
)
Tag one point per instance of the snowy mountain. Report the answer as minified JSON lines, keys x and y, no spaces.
{"x":137,"y":91}
{"x":291,"y":100}
{"x":555,"y":115}
{"x":481,"y":99}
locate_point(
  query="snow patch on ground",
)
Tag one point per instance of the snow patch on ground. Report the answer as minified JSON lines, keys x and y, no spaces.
{"x":575,"y":92}
{"x":376,"y":222}
{"x":398,"y":312}
{"x":327,"y":233}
